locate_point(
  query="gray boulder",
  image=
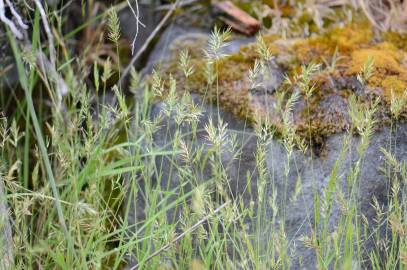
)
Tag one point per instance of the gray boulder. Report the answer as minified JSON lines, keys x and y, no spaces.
{"x":294,"y":202}
{"x":314,"y":173}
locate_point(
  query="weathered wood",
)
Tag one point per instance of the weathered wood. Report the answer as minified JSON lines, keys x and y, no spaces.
{"x":6,"y":240}
{"x":236,"y":18}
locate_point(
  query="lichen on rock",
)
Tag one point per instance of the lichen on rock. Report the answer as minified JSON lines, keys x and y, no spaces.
{"x":326,"y":111}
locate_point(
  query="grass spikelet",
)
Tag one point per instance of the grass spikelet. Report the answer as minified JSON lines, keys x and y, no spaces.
{"x":217,"y":41}
{"x":113,"y":26}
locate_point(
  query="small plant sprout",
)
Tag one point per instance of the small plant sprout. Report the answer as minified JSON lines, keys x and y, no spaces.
{"x":336,"y":57}
{"x":367,"y":71}
{"x":185,"y":63}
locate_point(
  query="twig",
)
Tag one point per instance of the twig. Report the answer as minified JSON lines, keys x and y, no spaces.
{"x":148,"y":41}
{"x":13,"y":28}
{"x":333,"y":3}
{"x":50,"y":67}
{"x":50,"y":71}
{"x":182,"y":3}
{"x":368,"y":15}
{"x":16,"y":15}
{"x":52,"y":53}
{"x":182,"y":235}
{"x":136,"y":14}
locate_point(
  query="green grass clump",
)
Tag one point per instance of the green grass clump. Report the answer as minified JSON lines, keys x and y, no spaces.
{"x":89,"y":186}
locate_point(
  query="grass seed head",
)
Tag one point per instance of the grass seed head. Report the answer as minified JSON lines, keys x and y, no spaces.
{"x":113,"y":26}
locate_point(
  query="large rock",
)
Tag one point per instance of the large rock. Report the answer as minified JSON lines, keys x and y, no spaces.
{"x":313,"y":170}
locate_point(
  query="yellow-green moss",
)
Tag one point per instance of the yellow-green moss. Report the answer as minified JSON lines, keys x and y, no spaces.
{"x":355,"y":44}
{"x":388,"y":74}
{"x":395,"y":84}
{"x":397,"y":39}
{"x":232,"y":83}
{"x":385,"y":59}
{"x":345,"y":40}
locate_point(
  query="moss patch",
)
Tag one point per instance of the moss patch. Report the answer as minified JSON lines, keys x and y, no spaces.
{"x":397,"y":39}
{"x":326,"y":112}
{"x":345,"y":40}
{"x":389,"y":74}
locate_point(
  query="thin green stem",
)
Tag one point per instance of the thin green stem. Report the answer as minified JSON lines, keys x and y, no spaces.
{"x":40,"y":139}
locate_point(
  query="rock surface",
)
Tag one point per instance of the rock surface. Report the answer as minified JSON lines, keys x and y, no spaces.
{"x":313,"y":171}
{"x":8,"y":71}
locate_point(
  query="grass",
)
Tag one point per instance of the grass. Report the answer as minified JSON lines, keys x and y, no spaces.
{"x":90,"y":186}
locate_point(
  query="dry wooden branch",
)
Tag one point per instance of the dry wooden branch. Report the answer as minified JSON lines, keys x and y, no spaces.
{"x":236,"y":18}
